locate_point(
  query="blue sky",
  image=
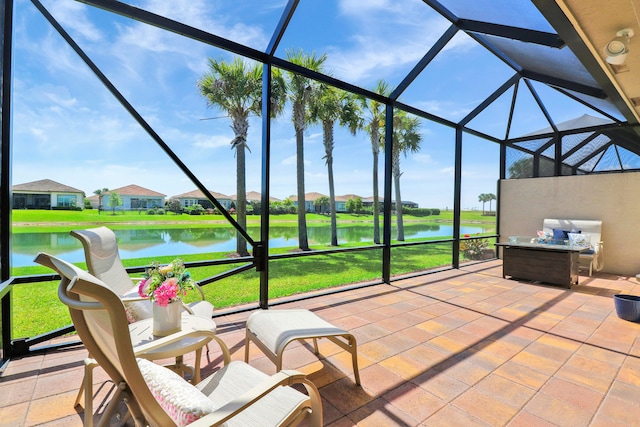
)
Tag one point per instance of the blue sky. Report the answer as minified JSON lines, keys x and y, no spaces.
{"x":67,"y":127}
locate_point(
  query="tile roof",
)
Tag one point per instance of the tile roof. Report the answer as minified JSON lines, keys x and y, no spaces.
{"x":135,"y":190}
{"x":346,"y":197}
{"x":254,"y":196}
{"x":198,"y":194}
{"x":45,"y":185}
{"x":308,"y":197}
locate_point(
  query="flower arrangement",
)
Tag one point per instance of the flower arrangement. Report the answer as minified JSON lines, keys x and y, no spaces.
{"x":165,"y":283}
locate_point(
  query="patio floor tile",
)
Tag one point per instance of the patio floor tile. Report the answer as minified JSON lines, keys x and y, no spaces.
{"x":455,"y":348}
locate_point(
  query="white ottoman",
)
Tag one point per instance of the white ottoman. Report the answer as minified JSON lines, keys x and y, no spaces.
{"x":273,"y":330}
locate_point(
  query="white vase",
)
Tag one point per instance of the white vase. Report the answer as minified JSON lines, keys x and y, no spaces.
{"x":167,"y":320}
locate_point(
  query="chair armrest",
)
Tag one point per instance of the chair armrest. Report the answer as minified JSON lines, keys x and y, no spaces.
{"x":245,"y":400}
{"x":187,"y":308}
{"x":199,"y":289}
{"x":133,"y":299}
{"x":597,"y":247}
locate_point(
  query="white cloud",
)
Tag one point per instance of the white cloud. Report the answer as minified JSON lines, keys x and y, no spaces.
{"x":72,"y":17}
{"x":289,"y":161}
{"x":195,"y":13}
{"x":388,"y":37}
{"x":38,"y":133}
{"x":423,"y":158}
{"x":358,"y":7}
{"x":57,"y":57}
{"x":212,"y":141}
{"x":66,"y":101}
{"x":450,"y":171}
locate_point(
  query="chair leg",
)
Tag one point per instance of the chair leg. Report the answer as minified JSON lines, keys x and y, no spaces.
{"x":354,"y":358}
{"x":226,"y":355}
{"x":246,"y":348}
{"x":87,"y":388}
{"x":110,"y":409}
{"x":195,"y":379}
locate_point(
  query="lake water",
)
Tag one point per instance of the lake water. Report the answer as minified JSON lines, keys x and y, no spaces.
{"x":183,"y":241}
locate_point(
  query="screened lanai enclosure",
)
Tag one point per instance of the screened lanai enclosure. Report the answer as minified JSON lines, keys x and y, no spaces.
{"x":390,"y":111}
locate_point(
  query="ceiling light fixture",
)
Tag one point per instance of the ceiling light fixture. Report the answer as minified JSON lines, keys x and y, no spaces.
{"x":617,"y":49}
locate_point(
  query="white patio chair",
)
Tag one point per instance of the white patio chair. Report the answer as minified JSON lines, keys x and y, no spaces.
{"x":236,"y":395}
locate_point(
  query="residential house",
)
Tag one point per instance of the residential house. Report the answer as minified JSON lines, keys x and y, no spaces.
{"x":368,"y":203}
{"x":309,"y":199}
{"x":197,"y":197}
{"x":254,"y":196}
{"x":134,"y":197}
{"x":46,"y":194}
{"x":341,"y":201}
{"x":409,"y":204}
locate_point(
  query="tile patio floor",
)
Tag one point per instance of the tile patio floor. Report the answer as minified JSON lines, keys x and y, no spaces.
{"x":456,"y":348}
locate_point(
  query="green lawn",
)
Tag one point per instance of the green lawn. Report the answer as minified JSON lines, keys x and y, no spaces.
{"x":286,"y":277}
{"x":54,"y":220}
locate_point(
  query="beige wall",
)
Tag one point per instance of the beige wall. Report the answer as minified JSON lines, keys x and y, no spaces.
{"x":612,"y":198}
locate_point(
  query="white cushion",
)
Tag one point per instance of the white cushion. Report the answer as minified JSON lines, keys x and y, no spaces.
{"x":202,"y":309}
{"x":183,"y":402}
{"x":581,"y":240}
{"x":137,"y":310}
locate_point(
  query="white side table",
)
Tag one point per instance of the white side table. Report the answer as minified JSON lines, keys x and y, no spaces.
{"x":142,"y":333}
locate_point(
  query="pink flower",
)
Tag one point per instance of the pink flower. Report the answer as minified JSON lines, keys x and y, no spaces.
{"x":142,"y":289}
{"x":166,"y":292}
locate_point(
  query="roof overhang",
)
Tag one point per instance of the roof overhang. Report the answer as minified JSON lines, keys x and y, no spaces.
{"x":587,"y":26}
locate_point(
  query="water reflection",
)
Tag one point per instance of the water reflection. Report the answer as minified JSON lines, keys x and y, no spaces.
{"x":136,"y":243}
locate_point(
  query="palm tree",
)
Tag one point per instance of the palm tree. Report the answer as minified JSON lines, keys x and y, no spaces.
{"x":374,"y":124}
{"x":329,"y":106}
{"x":406,"y":138}
{"x":236,"y":89}
{"x":490,"y":198}
{"x":100,"y":193}
{"x":301,"y":90}
{"x":483,"y":198}
{"x":321,"y":204}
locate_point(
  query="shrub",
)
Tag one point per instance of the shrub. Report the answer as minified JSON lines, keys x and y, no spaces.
{"x":473,"y":248}
{"x":160,"y":211}
{"x":281,"y":208}
{"x":196,"y":209}
{"x":151,"y":211}
{"x":256,"y":208}
{"x":416,"y":211}
{"x":174,"y":205}
{"x":66,"y":208}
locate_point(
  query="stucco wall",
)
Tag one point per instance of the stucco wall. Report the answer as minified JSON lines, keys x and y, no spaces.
{"x":612,"y":198}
